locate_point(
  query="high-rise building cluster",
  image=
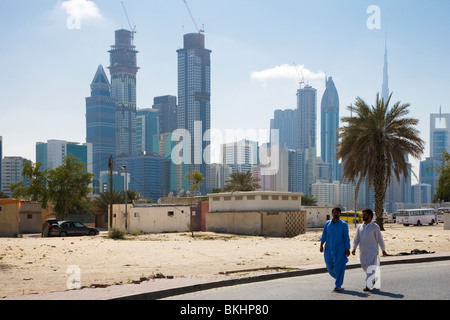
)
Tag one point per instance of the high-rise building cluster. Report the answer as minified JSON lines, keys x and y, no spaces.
{"x":155,"y":147}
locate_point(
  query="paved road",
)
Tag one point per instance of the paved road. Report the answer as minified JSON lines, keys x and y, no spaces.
{"x":424,"y":281}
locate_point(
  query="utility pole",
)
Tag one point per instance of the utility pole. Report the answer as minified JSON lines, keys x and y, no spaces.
{"x":110,"y":190}
{"x":126,"y":199}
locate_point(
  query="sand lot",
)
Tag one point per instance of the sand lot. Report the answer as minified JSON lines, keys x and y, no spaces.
{"x":35,"y":265}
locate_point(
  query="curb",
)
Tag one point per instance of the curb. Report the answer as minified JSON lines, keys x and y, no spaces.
{"x":311,"y":270}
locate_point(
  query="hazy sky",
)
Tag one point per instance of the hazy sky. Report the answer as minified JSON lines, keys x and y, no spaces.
{"x":48,"y":59}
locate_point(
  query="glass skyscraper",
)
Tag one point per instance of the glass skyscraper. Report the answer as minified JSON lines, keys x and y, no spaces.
{"x":307,"y":120}
{"x":439,"y":141}
{"x":439,"y":133}
{"x":167,"y":113}
{"x":1,"y":157}
{"x":146,"y":172}
{"x":52,"y":153}
{"x":329,"y":129}
{"x":285,"y":121}
{"x":146,"y":127}
{"x":12,"y":168}
{"x":123,"y":69}
{"x":101,"y":123}
{"x":194,"y":99}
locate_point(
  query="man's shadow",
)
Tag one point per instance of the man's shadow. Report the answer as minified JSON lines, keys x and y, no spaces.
{"x":387,"y":294}
{"x":373,"y":291}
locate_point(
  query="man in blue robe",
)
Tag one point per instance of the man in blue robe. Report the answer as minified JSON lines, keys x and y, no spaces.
{"x":337,"y":247}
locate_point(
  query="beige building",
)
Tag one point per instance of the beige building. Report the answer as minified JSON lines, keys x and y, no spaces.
{"x":447,"y":221}
{"x":152,"y":218}
{"x":262,"y":213}
{"x":19,"y":217}
{"x":30,"y":217}
{"x":316,"y":217}
{"x":9,"y":218}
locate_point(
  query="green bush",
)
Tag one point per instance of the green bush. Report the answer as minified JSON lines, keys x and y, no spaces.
{"x":116,"y":234}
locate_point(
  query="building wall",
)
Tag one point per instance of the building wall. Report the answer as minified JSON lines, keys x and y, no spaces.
{"x":316,"y":217}
{"x":9,"y":218}
{"x":258,"y":223}
{"x":254,"y":201}
{"x":446,"y":221}
{"x":30,"y":217}
{"x":275,"y":214}
{"x":152,"y":218}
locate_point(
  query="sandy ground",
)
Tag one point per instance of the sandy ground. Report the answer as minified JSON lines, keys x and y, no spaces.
{"x":35,"y":265}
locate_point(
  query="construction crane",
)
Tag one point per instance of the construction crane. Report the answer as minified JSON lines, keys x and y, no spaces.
{"x":301,"y":80}
{"x":132,"y":29}
{"x":193,"y":20}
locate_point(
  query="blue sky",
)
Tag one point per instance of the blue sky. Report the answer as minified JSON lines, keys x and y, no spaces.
{"x":47,"y":67}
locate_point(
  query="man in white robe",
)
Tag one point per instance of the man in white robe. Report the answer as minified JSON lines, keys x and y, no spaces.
{"x":368,"y":237}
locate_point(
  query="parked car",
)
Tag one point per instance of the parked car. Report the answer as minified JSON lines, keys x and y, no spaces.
{"x":71,"y":228}
{"x":47,"y":225}
{"x":390,"y":218}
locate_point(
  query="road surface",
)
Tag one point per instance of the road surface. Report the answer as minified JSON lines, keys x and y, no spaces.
{"x":424,"y":281}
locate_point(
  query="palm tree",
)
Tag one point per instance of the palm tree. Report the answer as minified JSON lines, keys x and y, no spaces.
{"x":103,"y":199}
{"x":196,"y":178}
{"x":443,"y":185}
{"x":241,"y":181}
{"x":374,"y":144}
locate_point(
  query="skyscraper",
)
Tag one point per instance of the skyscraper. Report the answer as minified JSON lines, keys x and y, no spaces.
{"x":1,"y":157}
{"x":146,"y":172}
{"x":385,"y":88}
{"x":146,"y":128}
{"x":52,"y":153}
{"x":12,"y":168}
{"x":241,"y":156}
{"x":286,"y":122}
{"x":101,"y":123}
{"x":439,"y":141}
{"x":123,"y":69}
{"x":194,"y":99}
{"x":167,"y":113}
{"x":307,"y":119}
{"x":329,"y":127}
{"x":439,"y":133}
{"x":295,"y":170}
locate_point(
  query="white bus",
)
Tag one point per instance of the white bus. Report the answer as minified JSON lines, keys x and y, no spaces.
{"x":416,"y":216}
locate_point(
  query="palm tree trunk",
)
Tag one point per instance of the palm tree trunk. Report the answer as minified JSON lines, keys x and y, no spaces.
{"x":380,"y":195}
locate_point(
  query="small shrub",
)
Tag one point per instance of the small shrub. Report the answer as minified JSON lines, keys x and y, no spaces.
{"x":116,"y":234}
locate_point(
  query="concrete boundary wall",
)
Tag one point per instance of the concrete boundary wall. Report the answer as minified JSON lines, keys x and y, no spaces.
{"x":258,"y":223}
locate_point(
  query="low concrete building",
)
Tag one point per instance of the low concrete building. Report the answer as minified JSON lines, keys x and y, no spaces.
{"x":316,"y":217}
{"x":262,"y":213}
{"x":152,"y":218}
{"x":9,"y":218}
{"x":447,"y":221}
{"x":19,"y":217}
{"x":30,"y":217}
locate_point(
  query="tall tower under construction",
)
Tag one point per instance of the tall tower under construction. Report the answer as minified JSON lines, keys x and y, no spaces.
{"x":123,"y":69}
